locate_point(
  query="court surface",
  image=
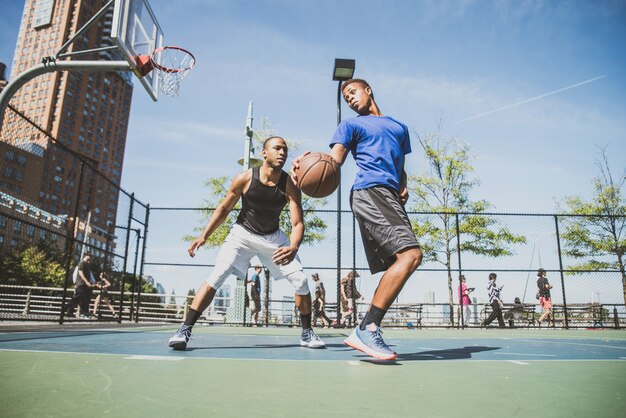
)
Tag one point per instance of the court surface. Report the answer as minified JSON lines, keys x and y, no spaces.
{"x":263,"y":372}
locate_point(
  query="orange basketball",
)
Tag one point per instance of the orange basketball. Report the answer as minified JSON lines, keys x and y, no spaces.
{"x":318,"y":175}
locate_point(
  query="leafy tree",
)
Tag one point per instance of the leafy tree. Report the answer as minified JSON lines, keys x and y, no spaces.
{"x":598,"y":235}
{"x":443,"y":192}
{"x":218,"y":188}
{"x":33,"y":265}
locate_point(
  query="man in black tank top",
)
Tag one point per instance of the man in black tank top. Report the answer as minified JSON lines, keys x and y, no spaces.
{"x":264,"y":192}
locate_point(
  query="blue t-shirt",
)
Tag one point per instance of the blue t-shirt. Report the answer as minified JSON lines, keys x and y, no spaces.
{"x":378,"y":145}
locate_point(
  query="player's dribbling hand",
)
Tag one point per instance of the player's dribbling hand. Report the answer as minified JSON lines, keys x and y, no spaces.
{"x":284,"y":255}
{"x":295,"y":164}
{"x":194,"y":246}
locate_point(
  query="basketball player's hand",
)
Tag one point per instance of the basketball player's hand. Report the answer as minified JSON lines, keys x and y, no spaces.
{"x":404,"y":195}
{"x":284,"y":255}
{"x":295,"y":164}
{"x":194,"y":246}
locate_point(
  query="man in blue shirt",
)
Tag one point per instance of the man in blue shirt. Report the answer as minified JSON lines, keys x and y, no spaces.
{"x":255,"y":294}
{"x":378,"y":144}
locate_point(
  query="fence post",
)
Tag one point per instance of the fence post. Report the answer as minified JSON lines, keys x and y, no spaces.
{"x":128,"y":225}
{"x":558,"y":244}
{"x":143,"y":260}
{"x":458,"y":251}
{"x":615,"y":318}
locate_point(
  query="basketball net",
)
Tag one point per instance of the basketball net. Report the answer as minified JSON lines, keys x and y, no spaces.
{"x":172,"y":64}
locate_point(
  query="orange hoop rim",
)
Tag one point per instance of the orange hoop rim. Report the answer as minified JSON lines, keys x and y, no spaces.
{"x":168,"y":69}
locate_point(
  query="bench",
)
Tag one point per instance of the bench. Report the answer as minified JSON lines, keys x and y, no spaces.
{"x":583,"y":314}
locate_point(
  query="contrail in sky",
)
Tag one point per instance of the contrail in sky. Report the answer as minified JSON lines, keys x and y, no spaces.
{"x":531,"y":99}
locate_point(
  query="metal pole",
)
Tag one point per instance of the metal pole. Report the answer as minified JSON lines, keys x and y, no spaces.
{"x":133,"y":288}
{"x":458,"y":251}
{"x":86,"y":235}
{"x":143,"y":260}
{"x":86,"y":26}
{"x":558,"y":243}
{"x":248,"y":139}
{"x":123,"y":281}
{"x":96,"y":66}
{"x":339,"y":218}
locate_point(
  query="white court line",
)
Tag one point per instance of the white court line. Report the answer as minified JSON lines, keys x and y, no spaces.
{"x":519,"y":362}
{"x":354,"y":363}
{"x":159,"y":358}
{"x":525,"y":354}
{"x":583,"y":344}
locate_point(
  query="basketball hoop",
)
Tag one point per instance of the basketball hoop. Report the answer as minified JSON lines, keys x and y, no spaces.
{"x":171,"y":64}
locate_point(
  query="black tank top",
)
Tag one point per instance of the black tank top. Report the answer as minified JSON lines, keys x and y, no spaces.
{"x":261,"y":205}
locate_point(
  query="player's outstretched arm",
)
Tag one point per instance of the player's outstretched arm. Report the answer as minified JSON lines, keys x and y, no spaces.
{"x":285,"y":255}
{"x":222,"y":210}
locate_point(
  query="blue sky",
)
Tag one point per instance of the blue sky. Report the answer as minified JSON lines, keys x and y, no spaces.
{"x":482,"y":68}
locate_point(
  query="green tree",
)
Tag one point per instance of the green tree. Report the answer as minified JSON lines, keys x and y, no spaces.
{"x":218,"y":188}
{"x":443,"y":193}
{"x":597,"y":236}
{"x":33,"y":265}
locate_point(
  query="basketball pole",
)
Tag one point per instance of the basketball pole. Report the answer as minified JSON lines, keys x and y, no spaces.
{"x":49,"y":66}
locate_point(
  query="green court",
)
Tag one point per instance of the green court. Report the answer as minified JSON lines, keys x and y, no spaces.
{"x":257,"y":372}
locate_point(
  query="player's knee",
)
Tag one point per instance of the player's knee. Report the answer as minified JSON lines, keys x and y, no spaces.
{"x":300,"y":283}
{"x":218,"y":277}
{"x":412,"y":257}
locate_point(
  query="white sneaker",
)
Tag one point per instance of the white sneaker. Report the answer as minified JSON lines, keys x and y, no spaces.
{"x":181,"y":338}
{"x":309,"y":339}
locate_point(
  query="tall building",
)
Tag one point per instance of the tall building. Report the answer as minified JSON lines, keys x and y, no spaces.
{"x":87,"y":112}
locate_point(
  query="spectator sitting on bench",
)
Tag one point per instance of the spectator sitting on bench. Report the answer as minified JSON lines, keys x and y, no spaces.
{"x":515,"y":313}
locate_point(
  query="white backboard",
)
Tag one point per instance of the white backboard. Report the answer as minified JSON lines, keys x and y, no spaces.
{"x":136,"y":32}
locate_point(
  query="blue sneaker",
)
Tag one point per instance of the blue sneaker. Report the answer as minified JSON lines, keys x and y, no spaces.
{"x":181,"y":338}
{"x":370,"y":341}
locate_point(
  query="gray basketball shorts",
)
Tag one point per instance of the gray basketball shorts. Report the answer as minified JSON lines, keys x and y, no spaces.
{"x":385,"y":226}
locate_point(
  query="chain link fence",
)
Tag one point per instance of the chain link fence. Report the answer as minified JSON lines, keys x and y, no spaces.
{"x":56,"y":203}
{"x":581,"y":298}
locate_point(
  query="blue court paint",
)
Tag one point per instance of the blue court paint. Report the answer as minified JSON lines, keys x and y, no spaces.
{"x":148,"y":344}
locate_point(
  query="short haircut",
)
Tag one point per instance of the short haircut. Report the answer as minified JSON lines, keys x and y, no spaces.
{"x":492,"y":276}
{"x":357,"y":80}
{"x":267,"y":140}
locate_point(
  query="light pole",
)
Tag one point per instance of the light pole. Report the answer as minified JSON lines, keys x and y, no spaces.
{"x":343,"y":70}
{"x":248,"y":161}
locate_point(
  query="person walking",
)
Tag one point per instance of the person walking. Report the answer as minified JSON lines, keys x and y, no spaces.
{"x":465,"y":300}
{"x":255,"y":294}
{"x":319,"y":303}
{"x":378,"y":144}
{"x":264,"y":192}
{"x":83,"y":288}
{"x":103,"y":284}
{"x":545,"y":297}
{"x":349,"y":296}
{"x":495,"y":302}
